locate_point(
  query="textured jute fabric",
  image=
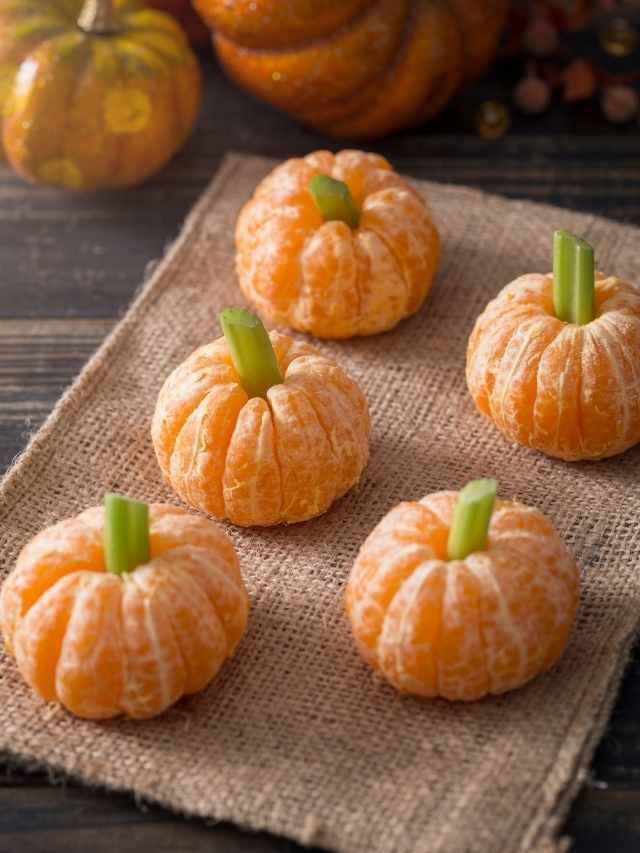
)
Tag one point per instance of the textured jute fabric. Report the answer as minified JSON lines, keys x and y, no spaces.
{"x":296,"y":735}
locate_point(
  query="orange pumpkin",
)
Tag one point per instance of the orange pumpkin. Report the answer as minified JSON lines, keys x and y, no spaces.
{"x":461,"y":628}
{"x":336,"y":274}
{"x":104,"y":644}
{"x":189,"y":19}
{"x":95,"y":96}
{"x":357,"y":68}
{"x":569,"y":389}
{"x":278,"y":453}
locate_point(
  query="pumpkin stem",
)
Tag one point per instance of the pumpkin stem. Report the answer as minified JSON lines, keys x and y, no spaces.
{"x":471,"y":518}
{"x":126,"y":533}
{"x":251,"y":351}
{"x":99,"y":17}
{"x":334,"y":201}
{"x":573,"y":279}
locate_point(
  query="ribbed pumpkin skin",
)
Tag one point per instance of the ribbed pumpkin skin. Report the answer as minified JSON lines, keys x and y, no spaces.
{"x":570,"y":391}
{"x":259,"y":461}
{"x":103,"y":644}
{"x":326,"y":278}
{"x":91,"y":112}
{"x":461,"y":629}
{"x":356,"y":69}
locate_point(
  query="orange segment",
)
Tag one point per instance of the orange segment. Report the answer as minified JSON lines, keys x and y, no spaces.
{"x":195,"y":624}
{"x":288,"y":350}
{"x":518,"y":376}
{"x":155,"y":671}
{"x":314,"y":376}
{"x":462,"y":668}
{"x":198,"y":458}
{"x":356,"y":168}
{"x":90,"y":671}
{"x":287,"y":184}
{"x":416,"y":250}
{"x":308,"y":468}
{"x":171,"y":527}
{"x":620,"y":338}
{"x":408,"y":650}
{"x":408,"y":536}
{"x":368,"y":611}
{"x":252,"y":485}
{"x":271,"y":262}
{"x":487,"y":345}
{"x":556,"y":416}
{"x":225,"y":594}
{"x":61,"y":550}
{"x":39,"y":635}
{"x":503,"y":648}
{"x":548,"y":574}
{"x":383,"y":291}
{"x":607,"y":377}
{"x":183,"y":393}
{"x":328,"y":298}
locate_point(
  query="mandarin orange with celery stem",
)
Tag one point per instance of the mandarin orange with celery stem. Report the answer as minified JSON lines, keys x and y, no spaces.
{"x":260,"y":429}
{"x":97,"y":94}
{"x":554,"y":360}
{"x":336,"y":245}
{"x":355,"y":69}
{"x":459,"y":595}
{"x":124,"y":608}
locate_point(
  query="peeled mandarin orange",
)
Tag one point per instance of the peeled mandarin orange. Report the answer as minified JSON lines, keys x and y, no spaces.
{"x":280,"y":457}
{"x":461,"y":628}
{"x":568,"y":389}
{"x":306,"y":266}
{"x":104,"y":644}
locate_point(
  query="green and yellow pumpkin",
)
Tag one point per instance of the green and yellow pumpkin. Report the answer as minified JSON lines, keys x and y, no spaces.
{"x":93,"y":95}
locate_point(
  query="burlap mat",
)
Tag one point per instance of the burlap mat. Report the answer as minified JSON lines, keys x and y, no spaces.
{"x":296,"y":736}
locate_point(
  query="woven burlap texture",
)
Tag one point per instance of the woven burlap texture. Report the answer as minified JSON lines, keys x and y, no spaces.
{"x":296,"y":735}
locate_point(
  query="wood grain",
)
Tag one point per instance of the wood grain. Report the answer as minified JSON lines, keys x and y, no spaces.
{"x":70,"y":264}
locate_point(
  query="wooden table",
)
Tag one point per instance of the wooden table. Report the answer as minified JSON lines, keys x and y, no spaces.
{"x":69,"y":267}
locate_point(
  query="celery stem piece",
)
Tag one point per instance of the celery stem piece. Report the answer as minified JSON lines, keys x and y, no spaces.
{"x":126,"y":533}
{"x":573,"y":279}
{"x":251,"y":351}
{"x":138,"y":533}
{"x":563,"y":254}
{"x":584,"y":285}
{"x":334,"y":201}
{"x":471,"y":518}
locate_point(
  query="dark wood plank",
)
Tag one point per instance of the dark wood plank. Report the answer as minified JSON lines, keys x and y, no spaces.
{"x":70,"y":265}
{"x":38,"y":359}
{"x":605,"y":821}
{"x":41,"y":818}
